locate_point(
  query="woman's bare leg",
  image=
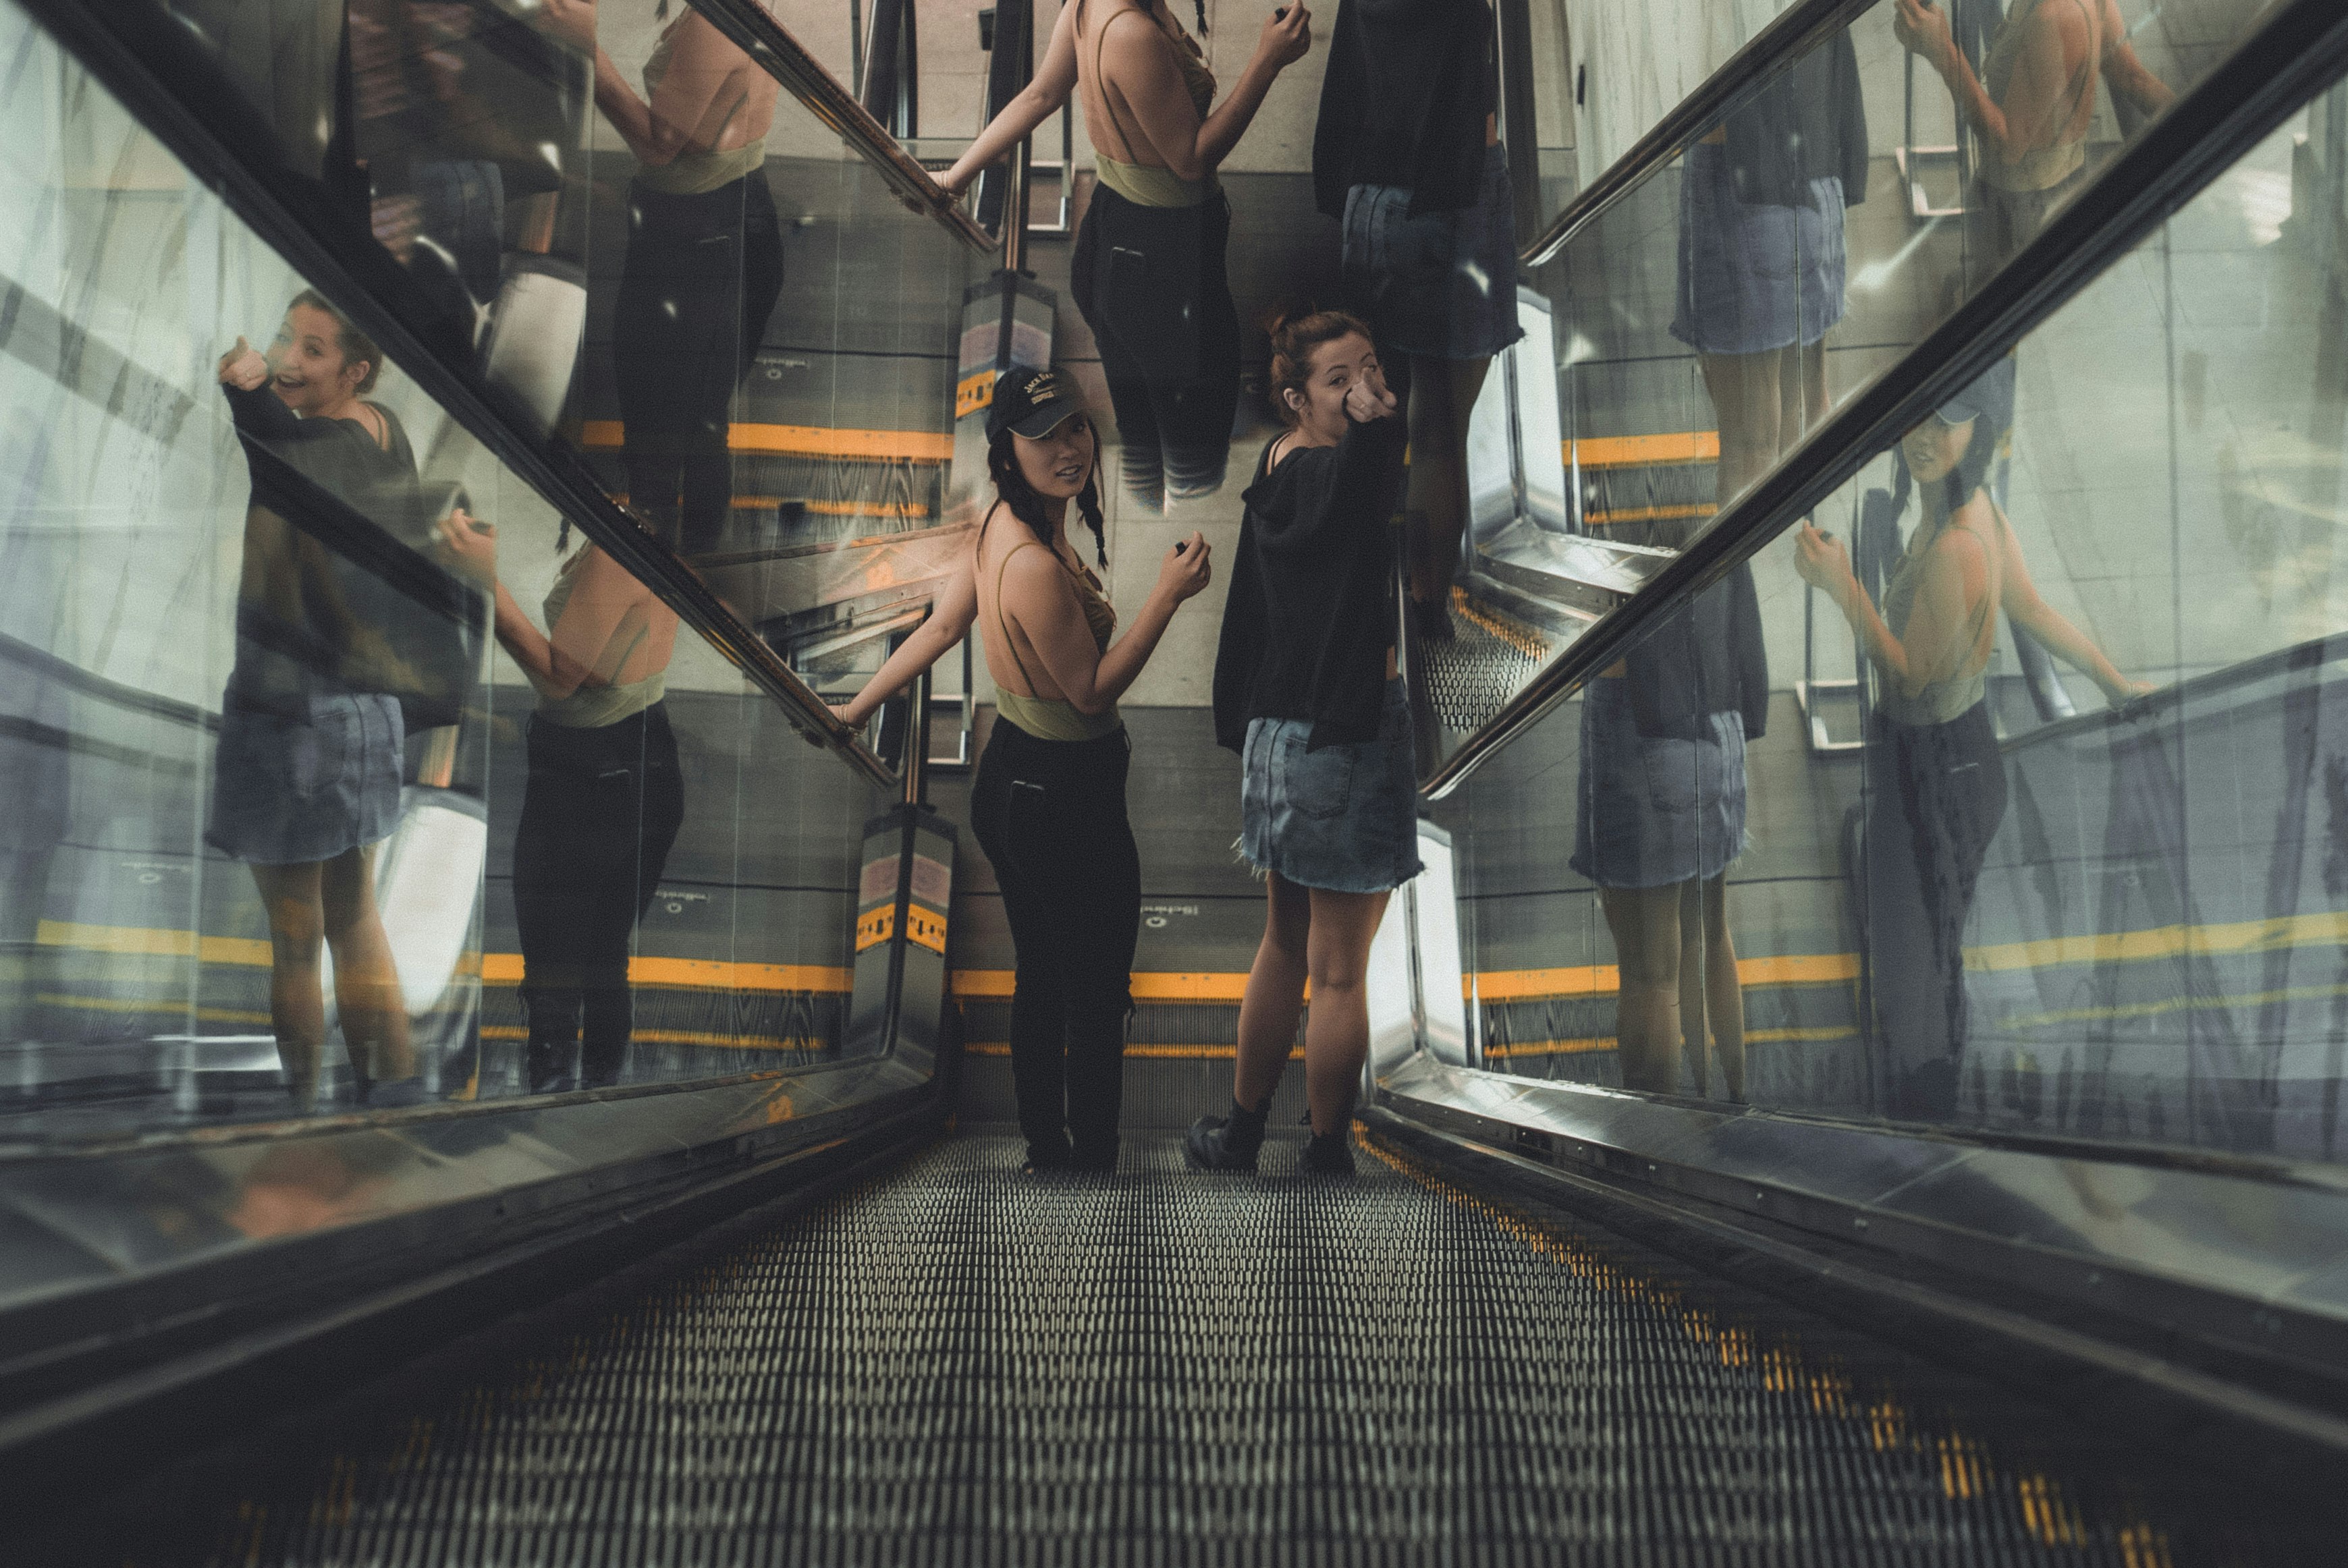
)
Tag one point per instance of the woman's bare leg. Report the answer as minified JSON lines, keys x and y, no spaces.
{"x":1337,"y":1031}
{"x":366,"y":979}
{"x":1275,"y":999}
{"x":297,"y":1000}
{"x":1723,"y":992}
{"x":1442,"y":398}
{"x":1745,"y":390}
{"x":1646,"y":923}
{"x":1693,"y":975}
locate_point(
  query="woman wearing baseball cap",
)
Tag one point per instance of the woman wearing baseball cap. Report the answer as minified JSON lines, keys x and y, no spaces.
{"x":1049,"y":806}
{"x":1937,"y":780}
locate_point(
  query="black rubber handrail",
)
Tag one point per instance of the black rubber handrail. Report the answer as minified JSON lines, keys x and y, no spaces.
{"x":1774,"y":49}
{"x":770,"y":44}
{"x":2310,"y":655}
{"x":2300,"y":50}
{"x":139,"y":52}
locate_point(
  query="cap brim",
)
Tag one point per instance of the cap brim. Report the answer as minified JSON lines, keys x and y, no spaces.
{"x":1041,"y":422}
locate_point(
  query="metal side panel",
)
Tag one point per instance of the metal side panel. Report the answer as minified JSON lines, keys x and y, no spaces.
{"x":124,"y":1261}
{"x":2239,"y":1260}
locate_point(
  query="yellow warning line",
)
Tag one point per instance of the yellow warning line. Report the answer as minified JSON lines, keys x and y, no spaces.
{"x":1605,"y":979}
{"x":151,"y":941}
{"x":1146,"y":1049}
{"x":1148,"y":985}
{"x":1634,"y":451}
{"x":801,"y":441}
{"x":1588,"y":980}
{"x":2167,"y":1005}
{"x":2164,"y":942}
{"x":677,"y":1037}
{"x":134,"y":1004}
{"x":1576,"y":1047}
{"x":1648,"y":514}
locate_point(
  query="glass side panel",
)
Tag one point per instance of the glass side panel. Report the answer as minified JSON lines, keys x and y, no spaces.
{"x":2015,"y":795}
{"x":1709,"y":318}
{"x":341,"y":772}
{"x":660,"y":259}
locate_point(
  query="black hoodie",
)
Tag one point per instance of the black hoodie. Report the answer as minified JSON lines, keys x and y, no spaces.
{"x":1312,"y":606}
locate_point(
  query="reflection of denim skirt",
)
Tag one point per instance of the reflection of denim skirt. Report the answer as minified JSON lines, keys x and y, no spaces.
{"x":289,"y":788}
{"x":1655,"y":813}
{"x":1343,"y":818}
{"x":1754,"y":278}
{"x":1442,"y":284}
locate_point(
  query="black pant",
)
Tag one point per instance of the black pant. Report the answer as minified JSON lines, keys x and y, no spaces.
{"x":1051,"y":816}
{"x":1152,"y":284}
{"x":702,"y":276}
{"x":597,"y":816}
{"x":1936,"y":793}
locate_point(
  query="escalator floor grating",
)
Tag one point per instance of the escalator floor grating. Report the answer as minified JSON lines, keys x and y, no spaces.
{"x":955,"y":1363}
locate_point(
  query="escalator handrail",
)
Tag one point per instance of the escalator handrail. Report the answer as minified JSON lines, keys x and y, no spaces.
{"x":180,"y":97}
{"x":2308,"y":655}
{"x":824,"y":96}
{"x":1771,"y":51}
{"x":2301,"y":48}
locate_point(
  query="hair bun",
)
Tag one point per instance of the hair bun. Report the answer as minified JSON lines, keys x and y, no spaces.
{"x":1286,"y":315}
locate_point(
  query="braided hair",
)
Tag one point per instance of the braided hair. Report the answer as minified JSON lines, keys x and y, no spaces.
{"x":1027,"y":504}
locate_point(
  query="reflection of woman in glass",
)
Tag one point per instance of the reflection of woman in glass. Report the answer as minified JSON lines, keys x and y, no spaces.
{"x":705,"y":261}
{"x":2030,"y":107}
{"x":602,"y":804}
{"x":1408,"y":156}
{"x":306,"y":774}
{"x":1663,"y":815}
{"x":1936,"y":781}
{"x":1149,"y":272}
{"x":1762,"y":257}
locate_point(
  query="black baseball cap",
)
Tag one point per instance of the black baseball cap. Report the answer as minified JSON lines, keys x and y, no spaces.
{"x":1990,"y":392}
{"x":1032,"y":403}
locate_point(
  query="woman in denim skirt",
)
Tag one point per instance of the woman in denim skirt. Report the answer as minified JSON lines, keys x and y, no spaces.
{"x":1305,"y":690}
{"x":1407,"y":157}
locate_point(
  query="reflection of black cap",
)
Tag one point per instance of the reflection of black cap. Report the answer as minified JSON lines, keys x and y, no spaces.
{"x":1990,"y":393}
{"x":1032,"y":403}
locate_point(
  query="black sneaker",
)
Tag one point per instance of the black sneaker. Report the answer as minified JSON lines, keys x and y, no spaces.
{"x":1328,"y":1154}
{"x":1225,"y":1142}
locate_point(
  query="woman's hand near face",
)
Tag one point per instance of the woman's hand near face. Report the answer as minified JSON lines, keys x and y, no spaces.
{"x":1367,"y":398}
{"x":571,"y":21}
{"x":243,"y":368}
{"x":1287,"y":36}
{"x":1186,"y":570}
{"x":471,"y":544}
{"x":1820,"y":560}
{"x":1923,"y":29}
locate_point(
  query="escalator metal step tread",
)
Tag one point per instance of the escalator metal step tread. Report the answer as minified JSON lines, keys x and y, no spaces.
{"x":958,"y":1364}
{"x":1487,"y":661}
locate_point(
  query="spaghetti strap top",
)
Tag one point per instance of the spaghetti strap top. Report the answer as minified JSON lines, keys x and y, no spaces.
{"x":1139,"y":183}
{"x":693,"y":171}
{"x":2041,"y":168}
{"x":1950,"y":697}
{"x":1052,"y":718}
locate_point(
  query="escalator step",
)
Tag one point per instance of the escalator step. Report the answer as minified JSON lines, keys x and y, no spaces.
{"x":955,"y":1364}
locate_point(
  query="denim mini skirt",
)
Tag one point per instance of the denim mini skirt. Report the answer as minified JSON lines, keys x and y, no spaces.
{"x":1442,"y":284}
{"x":1655,"y":813}
{"x":291,"y":788}
{"x":1753,"y":277}
{"x":1343,"y":818}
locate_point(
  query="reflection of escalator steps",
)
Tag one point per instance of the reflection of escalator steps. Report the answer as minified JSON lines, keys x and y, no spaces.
{"x":1634,"y":502}
{"x":1486,"y":662}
